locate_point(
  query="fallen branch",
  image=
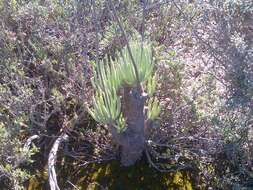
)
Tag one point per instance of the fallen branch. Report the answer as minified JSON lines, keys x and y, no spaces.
{"x":51,"y":162}
{"x":29,"y":142}
{"x":75,"y":187}
{"x":23,"y":156}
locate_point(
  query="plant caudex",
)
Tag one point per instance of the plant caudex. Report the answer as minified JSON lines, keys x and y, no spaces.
{"x":110,"y":76}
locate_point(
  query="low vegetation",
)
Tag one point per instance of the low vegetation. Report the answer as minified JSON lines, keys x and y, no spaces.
{"x":163,"y":86}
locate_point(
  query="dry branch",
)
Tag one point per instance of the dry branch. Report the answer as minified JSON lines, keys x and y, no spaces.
{"x":51,"y":162}
{"x":29,"y":142}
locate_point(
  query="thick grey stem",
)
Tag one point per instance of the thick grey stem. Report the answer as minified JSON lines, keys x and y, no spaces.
{"x":132,"y":140}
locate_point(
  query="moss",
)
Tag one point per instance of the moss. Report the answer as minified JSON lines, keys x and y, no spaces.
{"x":39,"y":181}
{"x":137,"y":177}
{"x":116,"y":177}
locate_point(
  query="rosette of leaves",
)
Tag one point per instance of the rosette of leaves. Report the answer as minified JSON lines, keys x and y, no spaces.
{"x":119,"y":103}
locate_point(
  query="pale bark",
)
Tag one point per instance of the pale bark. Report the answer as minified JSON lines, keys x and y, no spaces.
{"x":51,"y":162}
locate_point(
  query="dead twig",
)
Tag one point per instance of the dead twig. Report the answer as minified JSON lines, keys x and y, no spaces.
{"x":29,"y":142}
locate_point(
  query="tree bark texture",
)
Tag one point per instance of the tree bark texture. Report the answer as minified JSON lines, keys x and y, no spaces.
{"x":132,"y":140}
